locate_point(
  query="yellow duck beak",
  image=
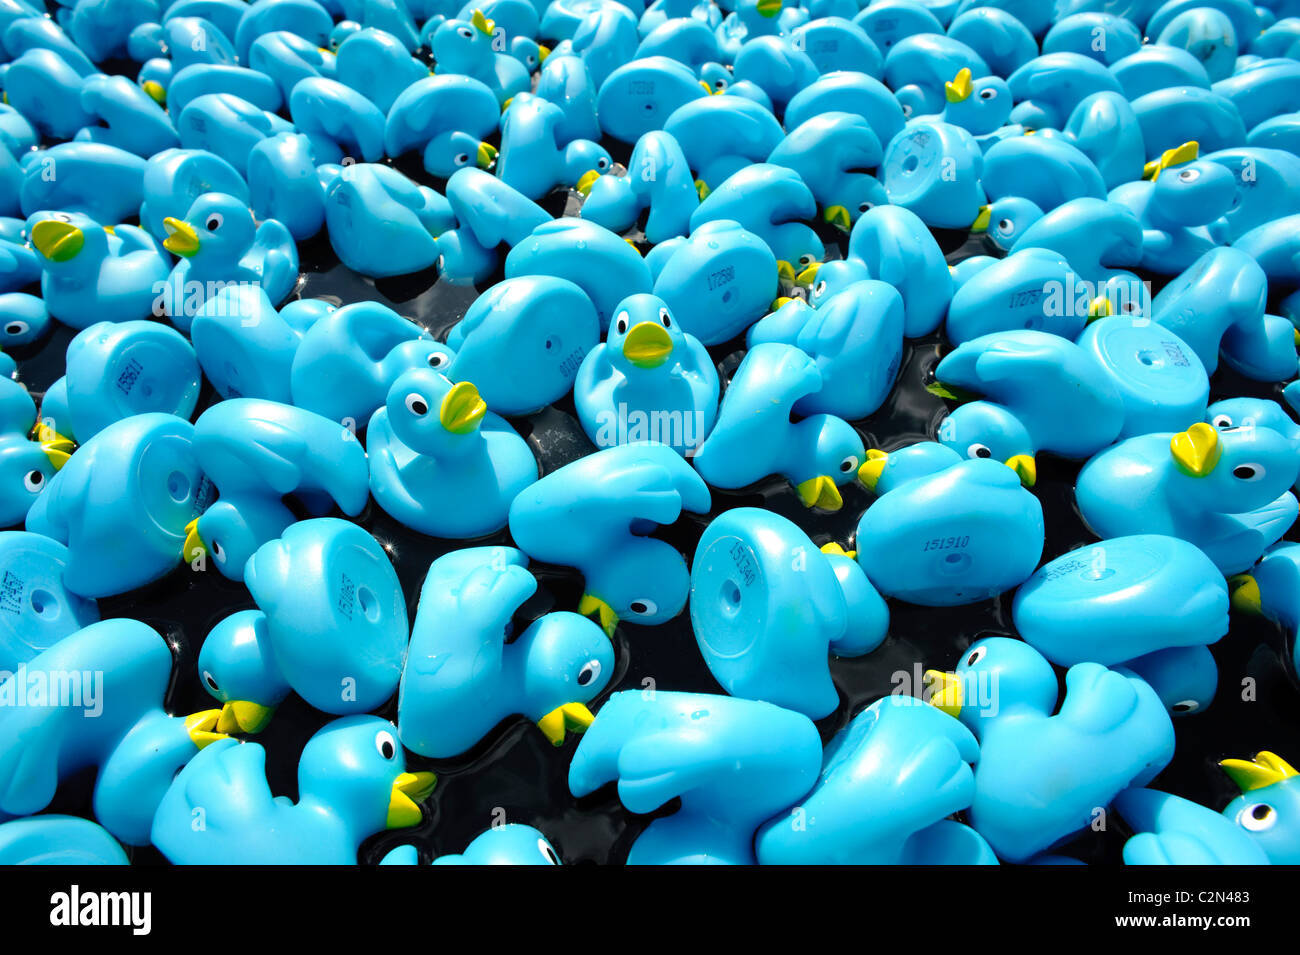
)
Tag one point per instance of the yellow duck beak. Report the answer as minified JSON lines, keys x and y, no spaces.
{"x":56,"y":447}
{"x":808,"y":276}
{"x":785,"y":271}
{"x":1264,"y":770}
{"x":193,"y":548}
{"x":1187,"y":152}
{"x":1025,"y":467}
{"x":485,"y":156}
{"x":571,"y":718}
{"x":1100,"y":308}
{"x":769,"y":8}
{"x":243,"y":716}
{"x":943,"y":691}
{"x":409,"y":790}
{"x":958,"y":89}
{"x":837,"y":216}
{"x":543,"y":51}
{"x":584,"y":184}
{"x":181,"y":238}
{"x":155,"y":91}
{"x":592,"y":606}
{"x":702,"y":189}
{"x":462,"y":408}
{"x":981,"y":223}
{"x":820,"y":492}
{"x":871,"y":469}
{"x":202,"y":727}
{"x":1196,"y":450}
{"x":1245,"y":594}
{"x":482,"y":24}
{"x":647,"y":345}
{"x":57,"y":240}
{"x":837,"y":550}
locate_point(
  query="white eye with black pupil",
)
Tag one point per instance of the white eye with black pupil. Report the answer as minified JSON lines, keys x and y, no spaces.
{"x":849,"y":464}
{"x":385,"y":743}
{"x":1258,"y":817}
{"x":643,"y":607}
{"x":979,"y":451}
{"x":417,"y":405}
{"x":34,"y":481}
{"x":589,"y":672}
{"x":212,"y":684}
{"x":461,"y":159}
{"x":1248,"y":472}
{"x":1189,"y":175}
{"x":16,"y":328}
{"x":988,"y":94}
{"x":621,"y":323}
{"x":466,"y":32}
{"x":437,"y":360}
{"x":213,"y":222}
{"x":547,"y":852}
{"x":1186,"y":706}
{"x":665,"y":318}
{"x":976,"y":656}
{"x":1222,"y":421}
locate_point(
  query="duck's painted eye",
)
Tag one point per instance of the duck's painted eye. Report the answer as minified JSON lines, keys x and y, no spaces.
{"x":849,"y":464}
{"x":416,"y":404}
{"x":530,"y":60}
{"x":602,"y":163}
{"x":212,"y":684}
{"x":865,"y":206}
{"x":16,"y":328}
{"x":620,"y":324}
{"x":63,"y":217}
{"x":1189,"y":175}
{"x":976,"y":655}
{"x":437,"y":360}
{"x":34,"y":481}
{"x":643,"y":607}
{"x":547,"y":852}
{"x":978,"y":450}
{"x":806,"y":260}
{"x":1258,"y":817}
{"x":820,"y":288}
{"x":989,"y":93}
{"x":466,"y":32}
{"x":1006,"y":226}
{"x":218,"y":552}
{"x":213,"y":222}
{"x":666,"y":318}
{"x":907,"y":109}
{"x":1248,"y":472}
{"x":719,"y":84}
{"x":1186,"y":706}
{"x":461,"y":159}
{"x":589,"y":672}
{"x":1222,"y":421}
{"x":385,"y":743}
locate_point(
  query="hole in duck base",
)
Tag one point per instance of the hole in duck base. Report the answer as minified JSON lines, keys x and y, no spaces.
{"x":369,"y":603}
{"x":730,"y":598}
{"x":178,"y":486}
{"x":45,"y":604}
{"x":910,"y":164}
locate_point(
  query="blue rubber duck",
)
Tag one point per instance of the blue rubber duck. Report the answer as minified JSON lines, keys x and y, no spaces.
{"x":376,"y":64}
{"x":219,"y":242}
{"x":667,"y":198}
{"x":488,"y":213}
{"x":1268,"y":803}
{"x":1040,"y":392}
{"x":94,"y":179}
{"x":709,"y":751}
{"x":26,"y":466}
{"x":420,"y":457}
{"x":946,"y":530}
{"x":830,"y":152}
{"x":897,"y":248}
{"x":1048,"y":88}
{"x":338,"y":121}
{"x":721,"y":135}
{"x":238,"y":669}
{"x":1269,"y":588}
{"x":979,"y":106}
{"x":1106,"y":130}
{"x":754,"y":436}
{"x":366,"y":344}
{"x":1181,"y":208}
{"x":1041,"y":777}
{"x":111,"y":677}
{"x":918,"y":67}
{"x":595,"y":514}
{"x":58,"y":840}
{"x":889,"y":781}
{"x":856,"y":338}
{"x":461,"y":678}
{"x":380,"y":222}
{"x":146,"y":467}
{"x":256,"y":452}
{"x":174,"y":178}
{"x":352,"y":783}
{"x":1148,"y":602}
{"x":40,"y":611}
{"x":649,"y":373}
{"x":751,"y":570}
{"x":335,"y":616}
{"x":1100,"y":239}
{"x":508,"y":844}
{"x":533,"y":159}
{"x":466,"y":47}
{"x":522,"y":342}
{"x":1275,"y":246}
{"x":1003,"y":295}
{"x":1226,"y":492}
{"x":92,"y":274}
{"x":1170,"y":830}
{"x":448,"y":118}
{"x":773,"y":203}
{"x":245,"y":346}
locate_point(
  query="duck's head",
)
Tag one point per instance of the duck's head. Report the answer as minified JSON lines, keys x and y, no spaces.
{"x":511,"y":844}
{"x":584,"y":161}
{"x":1188,"y":190}
{"x":982,"y":429}
{"x":861,"y":194}
{"x":218,"y":228}
{"x":643,"y":335}
{"x":430,"y":414}
{"x":715,"y":77}
{"x":567,"y":661}
{"x":760,"y":17}
{"x":229,"y":533}
{"x":453,"y":150}
{"x":529,"y":52}
{"x":1122,"y":294}
{"x":997,"y":675}
{"x":356,"y":766}
{"x":464,"y":46}
{"x":1269,"y":805}
{"x":643,"y":581}
{"x":799,"y":263}
{"x":837,"y":457}
{"x":1005,"y":220}
{"x":67,"y":241}
{"x":26,"y":469}
{"x":978,"y":106}
{"x":419,"y":353}
{"x":1231,"y":471}
{"x":824,"y":280}
{"x":1246,"y":412}
{"x":881,"y":472}
{"x":237,"y":667}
